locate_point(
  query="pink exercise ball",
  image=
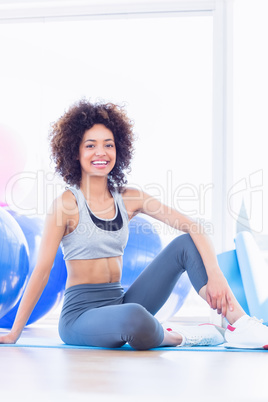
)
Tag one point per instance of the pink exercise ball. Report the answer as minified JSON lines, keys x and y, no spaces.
{"x":12,"y":158}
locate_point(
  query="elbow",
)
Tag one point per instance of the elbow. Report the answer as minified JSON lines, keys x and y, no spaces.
{"x":45,"y":279}
{"x":41,"y":274}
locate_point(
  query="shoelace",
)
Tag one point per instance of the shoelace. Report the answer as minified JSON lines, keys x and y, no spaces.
{"x":256,"y":321}
{"x":194,"y":340}
{"x":197,"y":340}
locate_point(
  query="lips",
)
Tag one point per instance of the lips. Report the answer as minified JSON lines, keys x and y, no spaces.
{"x":100,"y":163}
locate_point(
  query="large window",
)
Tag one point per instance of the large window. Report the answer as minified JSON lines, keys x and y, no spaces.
{"x":250,"y":192}
{"x":160,"y":68}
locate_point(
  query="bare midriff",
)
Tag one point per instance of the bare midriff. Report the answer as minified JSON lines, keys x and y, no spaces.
{"x":100,"y":270}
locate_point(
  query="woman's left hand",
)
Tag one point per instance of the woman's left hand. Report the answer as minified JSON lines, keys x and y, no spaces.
{"x":218,"y":293}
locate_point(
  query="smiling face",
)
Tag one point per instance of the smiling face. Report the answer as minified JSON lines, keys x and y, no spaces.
{"x":97,"y":152}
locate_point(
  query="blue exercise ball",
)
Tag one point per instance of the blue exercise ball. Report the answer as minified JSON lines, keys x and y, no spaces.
{"x":176,"y":299}
{"x":14,"y":262}
{"x":228,"y":263}
{"x":32,"y":228}
{"x":54,"y":290}
{"x":143,"y":245}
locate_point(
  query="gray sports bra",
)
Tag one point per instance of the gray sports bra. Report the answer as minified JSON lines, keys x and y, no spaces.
{"x":94,"y":237}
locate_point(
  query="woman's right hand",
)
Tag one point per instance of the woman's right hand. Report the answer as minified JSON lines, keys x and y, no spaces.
{"x":8,"y":338}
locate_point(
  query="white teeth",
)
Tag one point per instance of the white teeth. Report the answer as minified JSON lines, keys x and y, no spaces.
{"x":100,"y":163}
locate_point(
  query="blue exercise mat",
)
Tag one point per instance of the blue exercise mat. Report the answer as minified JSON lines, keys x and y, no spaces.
{"x":37,"y":342}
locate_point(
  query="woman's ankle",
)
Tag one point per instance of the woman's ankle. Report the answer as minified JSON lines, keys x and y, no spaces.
{"x":171,"y":338}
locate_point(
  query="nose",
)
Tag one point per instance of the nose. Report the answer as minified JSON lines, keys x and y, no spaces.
{"x":100,"y":150}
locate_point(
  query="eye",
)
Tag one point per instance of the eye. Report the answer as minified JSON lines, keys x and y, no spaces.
{"x":90,"y":146}
{"x":110,"y":145}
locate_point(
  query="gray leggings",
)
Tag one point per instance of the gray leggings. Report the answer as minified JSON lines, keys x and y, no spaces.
{"x":104,"y":315}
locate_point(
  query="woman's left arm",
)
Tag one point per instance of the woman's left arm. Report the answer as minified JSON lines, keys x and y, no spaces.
{"x":217,"y":291}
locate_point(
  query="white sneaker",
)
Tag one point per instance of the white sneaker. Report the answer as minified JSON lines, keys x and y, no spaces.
{"x":200,"y":335}
{"x":247,"y":333}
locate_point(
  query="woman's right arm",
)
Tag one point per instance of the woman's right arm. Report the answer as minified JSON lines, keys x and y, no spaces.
{"x":54,"y":228}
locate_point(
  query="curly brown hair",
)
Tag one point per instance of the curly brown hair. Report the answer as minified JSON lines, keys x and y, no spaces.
{"x":67,"y":132}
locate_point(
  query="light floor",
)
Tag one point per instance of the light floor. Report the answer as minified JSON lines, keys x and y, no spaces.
{"x":36,"y":374}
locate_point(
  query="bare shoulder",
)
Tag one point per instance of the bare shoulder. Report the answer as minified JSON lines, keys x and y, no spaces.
{"x":65,"y":204}
{"x":132,"y":193}
{"x":133,"y":199}
{"x":68,"y":200}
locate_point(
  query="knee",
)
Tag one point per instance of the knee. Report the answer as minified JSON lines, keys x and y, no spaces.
{"x":184,"y":241}
{"x":183,"y":245}
{"x":186,"y":251}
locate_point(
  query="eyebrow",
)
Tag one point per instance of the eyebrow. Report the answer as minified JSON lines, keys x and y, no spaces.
{"x":108,"y":139}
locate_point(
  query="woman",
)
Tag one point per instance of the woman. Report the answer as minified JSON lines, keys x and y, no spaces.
{"x":92,"y":146}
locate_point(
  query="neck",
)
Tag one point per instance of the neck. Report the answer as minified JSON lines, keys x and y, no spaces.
{"x":94,"y":187}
